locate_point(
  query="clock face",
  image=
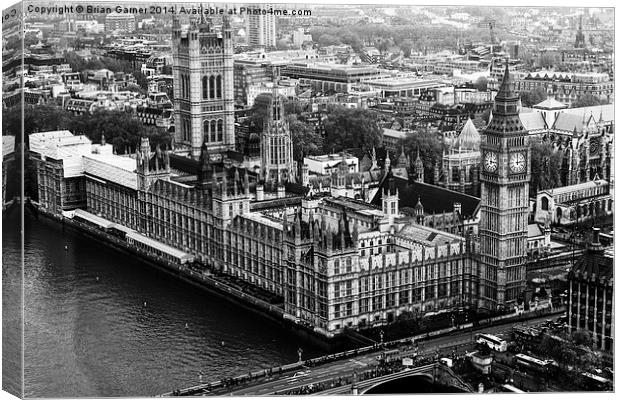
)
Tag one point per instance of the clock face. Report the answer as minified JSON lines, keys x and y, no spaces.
{"x":490,"y":162}
{"x":517,"y":162}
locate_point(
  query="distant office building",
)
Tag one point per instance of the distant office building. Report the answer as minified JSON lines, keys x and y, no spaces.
{"x":120,"y":22}
{"x":261,"y":29}
{"x":248,"y":74}
{"x":403,"y":87}
{"x":329,"y":77}
{"x":300,"y":37}
{"x":567,"y":87}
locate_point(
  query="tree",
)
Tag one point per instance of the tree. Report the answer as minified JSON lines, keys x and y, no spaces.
{"x":383,"y":45}
{"x":283,"y":44}
{"x":351,"y":128}
{"x":132,"y":87}
{"x":586,"y":100}
{"x":261,"y":109}
{"x":429,"y":145}
{"x":119,"y":128}
{"x":486,"y":114}
{"x":328,"y":40}
{"x":294,"y":107}
{"x":141,"y":79}
{"x":587,"y":359}
{"x":582,"y":337}
{"x":533,"y":97}
{"x":40,"y":118}
{"x":481,"y":84}
{"x":546,"y":164}
{"x":406,"y":46}
{"x":548,"y":60}
{"x":306,"y":141}
{"x":352,"y":39}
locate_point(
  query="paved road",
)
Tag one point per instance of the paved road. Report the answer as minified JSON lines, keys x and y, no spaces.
{"x":462,"y":341}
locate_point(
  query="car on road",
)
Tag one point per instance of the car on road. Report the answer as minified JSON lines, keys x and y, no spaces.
{"x":299,"y":374}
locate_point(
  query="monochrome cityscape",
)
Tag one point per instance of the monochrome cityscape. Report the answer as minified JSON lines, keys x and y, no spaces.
{"x":294,"y":199}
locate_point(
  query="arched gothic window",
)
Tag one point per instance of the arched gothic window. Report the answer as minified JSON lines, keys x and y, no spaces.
{"x":213,"y":137}
{"x":212,"y":87}
{"x":220,"y":130}
{"x":205,"y":130}
{"x":205,"y":87}
{"x":218,"y":85}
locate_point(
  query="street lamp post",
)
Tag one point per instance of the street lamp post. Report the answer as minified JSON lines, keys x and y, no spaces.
{"x":300,"y":351}
{"x":381,"y":335}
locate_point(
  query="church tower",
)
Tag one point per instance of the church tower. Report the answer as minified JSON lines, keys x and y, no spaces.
{"x":580,"y":40}
{"x":418,"y":169}
{"x":276,"y":145}
{"x":203,"y":87}
{"x":504,"y":180}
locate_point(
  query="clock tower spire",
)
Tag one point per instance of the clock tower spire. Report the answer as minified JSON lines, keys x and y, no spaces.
{"x":504,"y":180}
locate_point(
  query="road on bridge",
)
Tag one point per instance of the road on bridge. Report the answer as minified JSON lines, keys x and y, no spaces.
{"x":461,"y":341}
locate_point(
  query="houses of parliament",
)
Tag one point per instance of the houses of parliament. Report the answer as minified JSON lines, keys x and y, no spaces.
{"x":337,"y":262}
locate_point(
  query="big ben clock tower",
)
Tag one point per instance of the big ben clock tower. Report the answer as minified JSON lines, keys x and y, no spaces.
{"x":505,"y":176}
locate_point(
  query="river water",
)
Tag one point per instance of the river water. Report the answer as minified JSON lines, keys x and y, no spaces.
{"x":88,"y":332}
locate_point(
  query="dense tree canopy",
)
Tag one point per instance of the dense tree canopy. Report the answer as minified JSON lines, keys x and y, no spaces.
{"x":408,"y":37}
{"x":119,"y":128}
{"x":306,"y":140}
{"x":546,"y":166}
{"x":587,"y":100}
{"x":533,"y":97}
{"x":481,"y":84}
{"x":548,"y":60}
{"x":574,"y":352}
{"x":79,"y":63}
{"x":427,"y":143}
{"x":347,"y":128}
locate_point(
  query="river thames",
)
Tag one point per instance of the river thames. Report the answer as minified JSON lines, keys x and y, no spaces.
{"x":89,"y":333}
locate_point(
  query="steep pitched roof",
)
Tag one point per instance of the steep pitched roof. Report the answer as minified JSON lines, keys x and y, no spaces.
{"x":568,"y":122}
{"x":550,"y":104}
{"x":605,"y":110}
{"x":435,"y":199}
{"x":533,"y":230}
{"x":469,"y":138}
{"x":532,"y":121}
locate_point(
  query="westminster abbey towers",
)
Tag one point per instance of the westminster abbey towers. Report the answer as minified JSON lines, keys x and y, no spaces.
{"x":203,"y":89}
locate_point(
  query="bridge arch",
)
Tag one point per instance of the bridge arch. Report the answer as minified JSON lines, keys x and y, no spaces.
{"x":377,"y":385}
